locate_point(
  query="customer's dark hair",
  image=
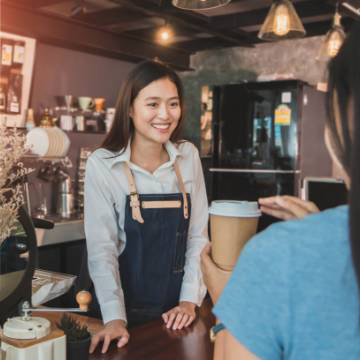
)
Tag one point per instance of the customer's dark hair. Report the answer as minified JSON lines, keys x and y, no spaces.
{"x":142,"y":75}
{"x":344,"y":95}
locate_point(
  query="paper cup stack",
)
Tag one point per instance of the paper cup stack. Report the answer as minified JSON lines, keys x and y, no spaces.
{"x":48,"y":142}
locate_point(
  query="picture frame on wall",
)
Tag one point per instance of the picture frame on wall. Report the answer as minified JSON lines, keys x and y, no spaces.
{"x":17,"y":55}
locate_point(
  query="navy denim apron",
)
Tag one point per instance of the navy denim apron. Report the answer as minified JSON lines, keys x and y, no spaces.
{"x":152,"y":263}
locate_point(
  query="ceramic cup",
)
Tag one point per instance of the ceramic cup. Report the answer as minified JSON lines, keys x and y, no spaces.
{"x":85,"y":102}
{"x":99,"y":104}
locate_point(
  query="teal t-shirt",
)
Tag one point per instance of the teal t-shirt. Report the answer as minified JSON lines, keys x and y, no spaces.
{"x":293,"y":294}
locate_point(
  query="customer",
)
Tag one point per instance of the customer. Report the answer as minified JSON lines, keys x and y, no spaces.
{"x":294,"y":293}
{"x":146,"y":210}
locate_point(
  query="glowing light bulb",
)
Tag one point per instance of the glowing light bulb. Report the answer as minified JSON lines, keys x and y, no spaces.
{"x":282,"y":21}
{"x":165,"y":34}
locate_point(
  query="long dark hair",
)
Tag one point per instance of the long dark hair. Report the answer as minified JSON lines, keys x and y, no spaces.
{"x":344,"y":95}
{"x":142,"y":75}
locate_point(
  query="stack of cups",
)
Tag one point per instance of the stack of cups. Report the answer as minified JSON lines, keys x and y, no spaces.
{"x":232,"y":224}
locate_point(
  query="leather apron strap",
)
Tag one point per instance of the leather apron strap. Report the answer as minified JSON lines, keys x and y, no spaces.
{"x":134,"y":196}
{"x":182,"y":189}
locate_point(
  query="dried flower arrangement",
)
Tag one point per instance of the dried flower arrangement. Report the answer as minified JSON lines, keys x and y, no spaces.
{"x":12,"y":149}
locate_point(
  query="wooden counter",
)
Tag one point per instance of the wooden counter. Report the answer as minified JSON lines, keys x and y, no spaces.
{"x":153,"y":341}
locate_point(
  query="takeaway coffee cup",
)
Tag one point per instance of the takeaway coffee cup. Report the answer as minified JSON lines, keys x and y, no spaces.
{"x":232,"y":224}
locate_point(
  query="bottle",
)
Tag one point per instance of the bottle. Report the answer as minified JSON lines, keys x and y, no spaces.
{"x":30,"y":122}
{"x":6,"y":53}
{"x":18,"y":55}
{"x":46,"y":120}
{"x":2,"y":100}
{"x":14,"y":94}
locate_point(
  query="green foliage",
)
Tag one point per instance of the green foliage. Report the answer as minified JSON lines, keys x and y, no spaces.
{"x":73,"y":329}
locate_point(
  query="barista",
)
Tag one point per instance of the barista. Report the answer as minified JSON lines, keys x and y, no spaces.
{"x":145,"y":210}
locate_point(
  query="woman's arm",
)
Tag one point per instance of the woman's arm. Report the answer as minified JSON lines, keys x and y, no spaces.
{"x":193,"y":287}
{"x":102,"y":242}
{"x":252,"y":303}
{"x":228,"y":348}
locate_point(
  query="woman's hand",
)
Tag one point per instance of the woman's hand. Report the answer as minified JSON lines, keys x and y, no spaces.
{"x":115,"y":329}
{"x":215,"y":278}
{"x":287,"y":207}
{"x":180,"y":316}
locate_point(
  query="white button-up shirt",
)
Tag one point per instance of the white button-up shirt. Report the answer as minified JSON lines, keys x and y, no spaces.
{"x":106,"y":188}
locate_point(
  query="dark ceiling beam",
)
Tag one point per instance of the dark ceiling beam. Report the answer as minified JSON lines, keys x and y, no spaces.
{"x":312,"y":29}
{"x":168,"y":4}
{"x":322,"y":27}
{"x":150,"y":32}
{"x":342,"y":9}
{"x":240,"y":38}
{"x":71,"y":34}
{"x":35,"y":4}
{"x":109,"y":16}
{"x":256,"y":17}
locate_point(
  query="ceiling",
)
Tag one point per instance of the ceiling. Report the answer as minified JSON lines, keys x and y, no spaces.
{"x":134,"y":24}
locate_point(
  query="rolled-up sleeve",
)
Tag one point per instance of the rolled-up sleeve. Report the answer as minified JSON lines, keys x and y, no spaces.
{"x":193,"y":288}
{"x":102,"y":240}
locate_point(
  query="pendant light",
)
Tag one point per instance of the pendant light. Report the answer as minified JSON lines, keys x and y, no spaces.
{"x":199,"y":4}
{"x":333,"y":39}
{"x":282,"y":22}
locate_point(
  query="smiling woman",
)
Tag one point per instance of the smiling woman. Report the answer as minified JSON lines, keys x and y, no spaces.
{"x":145,"y":210}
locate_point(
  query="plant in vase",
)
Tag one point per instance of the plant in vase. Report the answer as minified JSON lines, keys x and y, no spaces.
{"x":78,"y":338}
{"x":12,"y":149}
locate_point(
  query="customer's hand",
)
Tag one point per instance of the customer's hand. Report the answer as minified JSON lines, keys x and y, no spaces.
{"x":180,"y":316}
{"x":115,"y":329}
{"x":215,"y":278}
{"x":287,"y":207}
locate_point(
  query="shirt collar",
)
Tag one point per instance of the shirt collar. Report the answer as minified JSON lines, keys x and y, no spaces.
{"x":172,"y":150}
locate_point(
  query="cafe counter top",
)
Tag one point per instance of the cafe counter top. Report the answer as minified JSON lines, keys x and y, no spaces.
{"x":153,"y":341}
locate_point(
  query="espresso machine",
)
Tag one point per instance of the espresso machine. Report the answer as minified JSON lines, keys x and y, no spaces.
{"x":62,"y":197}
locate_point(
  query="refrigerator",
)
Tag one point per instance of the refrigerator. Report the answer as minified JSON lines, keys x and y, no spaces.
{"x":254,"y":137}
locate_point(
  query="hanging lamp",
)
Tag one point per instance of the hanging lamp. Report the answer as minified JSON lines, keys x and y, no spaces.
{"x":282,"y":22}
{"x":333,"y":39}
{"x":199,"y":4}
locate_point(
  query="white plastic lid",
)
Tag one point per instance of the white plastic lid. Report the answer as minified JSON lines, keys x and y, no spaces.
{"x":235,"y":208}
